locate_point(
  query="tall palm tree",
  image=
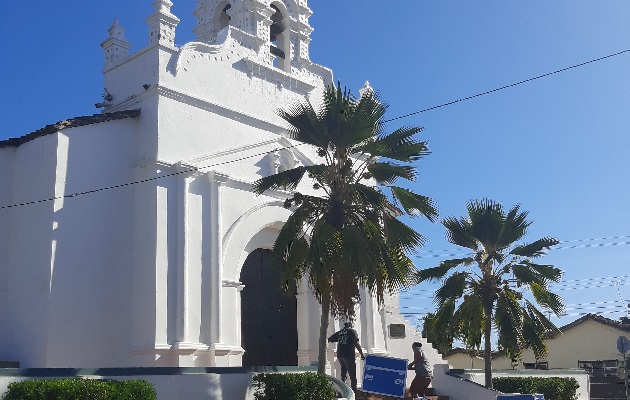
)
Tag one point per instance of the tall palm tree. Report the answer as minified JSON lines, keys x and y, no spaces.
{"x":345,"y":234}
{"x":486,"y":288}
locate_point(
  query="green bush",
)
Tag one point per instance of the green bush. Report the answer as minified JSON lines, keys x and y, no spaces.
{"x":551,"y":388}
{"x":306,"y":386}
{"x":80,"y":389}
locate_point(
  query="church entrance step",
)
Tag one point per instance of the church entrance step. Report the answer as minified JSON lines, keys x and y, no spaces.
{"x":431,"y":395}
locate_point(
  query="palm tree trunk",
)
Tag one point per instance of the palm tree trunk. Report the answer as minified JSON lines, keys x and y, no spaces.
{"x":323,"y":334}
{"x":487,"y":330}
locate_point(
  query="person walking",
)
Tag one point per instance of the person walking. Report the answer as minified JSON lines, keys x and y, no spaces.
{"x":423,"y":370}
{"x":347,"y":340}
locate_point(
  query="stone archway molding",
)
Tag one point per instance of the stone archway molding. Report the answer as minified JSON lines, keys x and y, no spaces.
{"x":239,"y":235}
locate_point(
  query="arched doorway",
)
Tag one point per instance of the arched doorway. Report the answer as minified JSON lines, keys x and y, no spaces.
{"x":268,"y":314}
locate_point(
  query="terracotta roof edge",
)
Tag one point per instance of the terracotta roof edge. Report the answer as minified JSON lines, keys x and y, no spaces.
{"x":69,"y":123}
{"x":597,"y":318}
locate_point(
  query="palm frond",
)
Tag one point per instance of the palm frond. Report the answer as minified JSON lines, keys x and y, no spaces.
{"x":445,"y":322}
{"x":549,"y":327}
{"x":435,"y":273}
{"x":368,"y":196}
{"x":548,"y":300}
{"x":287,"y":180}
{"x":399,"y":234}
{"x":397,"y":272}
{"x":414,"y":204}
{"x":452,"y":288}
{"x":325,"y":246}
{"x":404,"y":152}
{"x":457,"y":233}
{"x":357,"y":250}
{"x":363,"y":120}
{"x":537,"y":328}
{"x":386,"y":173}
{"x":535,"y":249}
{"x":514,"y":227}
{"x":470,"y":317}
{"x":486,"y":222}
{"x":549,"y":272}
{"x":399,"y":145}
{"x":525,"y":274}
{"x":508,"y":320}
{"x":305,"y":125}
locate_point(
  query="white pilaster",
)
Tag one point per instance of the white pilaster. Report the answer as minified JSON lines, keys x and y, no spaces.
{"x":216,"y":260}
{"x":375,"y":343}
{"x":183,"y":187}
{"x":307,"y":336}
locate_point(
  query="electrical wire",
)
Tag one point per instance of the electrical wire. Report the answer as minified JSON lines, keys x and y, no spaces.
{"x":118,"y":186}
{"x":292,"y":146}
{"x":506,"y":86}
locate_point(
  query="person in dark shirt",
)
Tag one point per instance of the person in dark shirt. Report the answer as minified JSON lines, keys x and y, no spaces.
{"x":423,"y":370}
{"x":347,"y":340}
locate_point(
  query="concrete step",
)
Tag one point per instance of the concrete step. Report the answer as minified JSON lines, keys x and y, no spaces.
{"x":429,"y":394}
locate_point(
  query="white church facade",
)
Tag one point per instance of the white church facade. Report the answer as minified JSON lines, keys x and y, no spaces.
{"x":133,"y":238}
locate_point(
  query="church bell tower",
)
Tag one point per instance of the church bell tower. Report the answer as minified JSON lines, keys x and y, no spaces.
{"x":280,"y":27}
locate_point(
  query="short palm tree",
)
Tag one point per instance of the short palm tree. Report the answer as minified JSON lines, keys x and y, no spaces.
{"x":345,"y":234}
{"x":485,"y":290}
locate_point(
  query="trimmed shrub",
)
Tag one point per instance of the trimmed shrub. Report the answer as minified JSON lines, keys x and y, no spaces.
{"x":304,"y":386}
{"x":80,"y":389}
{"x":551,"y":388}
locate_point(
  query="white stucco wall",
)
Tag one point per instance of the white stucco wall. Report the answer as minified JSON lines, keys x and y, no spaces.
{"x":6,"y":199}
{"x":464,"y":361}
{"x":29,"y":251}
{"x":67,"y":256}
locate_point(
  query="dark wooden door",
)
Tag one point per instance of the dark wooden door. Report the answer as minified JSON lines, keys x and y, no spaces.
{"x":268,"y":314}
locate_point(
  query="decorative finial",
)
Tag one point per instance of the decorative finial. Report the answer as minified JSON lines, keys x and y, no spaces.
{"x":162,"y":24}
{"x":366,"y":89}
{"x":116,"y":46}
{"x":116,"y":31}
{"x":163,"y":6}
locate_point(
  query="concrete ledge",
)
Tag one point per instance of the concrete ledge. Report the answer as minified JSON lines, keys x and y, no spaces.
{"x":139,"y":371}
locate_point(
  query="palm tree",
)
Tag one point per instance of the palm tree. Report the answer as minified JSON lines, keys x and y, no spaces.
{"x":472,"y":300}
{"x":438,"y":339}
{"x":345,"y":234}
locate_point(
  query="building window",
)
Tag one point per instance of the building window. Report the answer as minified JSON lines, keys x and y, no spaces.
{"x":600,"y":368}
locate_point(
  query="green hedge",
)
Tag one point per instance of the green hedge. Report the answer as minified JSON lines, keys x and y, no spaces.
{"x":80,"y":389}
{"x":305,"y":386}
{"x":552,"y":388}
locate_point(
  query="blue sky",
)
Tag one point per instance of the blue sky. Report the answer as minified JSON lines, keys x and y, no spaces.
{"x":557,"y":145}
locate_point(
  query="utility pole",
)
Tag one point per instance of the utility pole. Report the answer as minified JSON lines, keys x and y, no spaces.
{"x":623,"y":345}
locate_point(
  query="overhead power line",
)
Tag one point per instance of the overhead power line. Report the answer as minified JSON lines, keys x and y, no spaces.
{"x":122,"y":185}
{"x":507,"y":86}
{"x":597,"y":279}
{"x":585,"y":283}
{"x":580,"y":246}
